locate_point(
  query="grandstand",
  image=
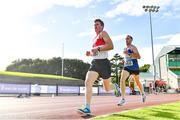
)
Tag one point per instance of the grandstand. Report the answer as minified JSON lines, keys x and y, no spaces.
{"x":168,"y":65}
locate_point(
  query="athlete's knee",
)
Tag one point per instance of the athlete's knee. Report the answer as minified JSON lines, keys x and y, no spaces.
{"x":136,"y":80}
{"x":88,"y":82}
{"x":122,"y":80}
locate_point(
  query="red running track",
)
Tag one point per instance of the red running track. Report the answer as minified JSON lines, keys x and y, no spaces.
{"x":64,"y":107}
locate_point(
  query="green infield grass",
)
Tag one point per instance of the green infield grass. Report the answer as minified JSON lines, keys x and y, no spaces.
{"x":32,"y":75}
{"x":169,"y":111}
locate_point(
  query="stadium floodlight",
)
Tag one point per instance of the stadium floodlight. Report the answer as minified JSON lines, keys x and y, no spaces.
{"x":151,"y":9}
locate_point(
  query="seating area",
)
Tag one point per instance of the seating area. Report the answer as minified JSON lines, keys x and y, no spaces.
{"x":174,"y":64}
{"x":176,"y":71}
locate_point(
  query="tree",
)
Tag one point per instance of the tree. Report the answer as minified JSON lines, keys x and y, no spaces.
{"x":144,"y":68}
{"x":72,"y":67}
{"x":75,"y":68}
{"x":116,"y":67}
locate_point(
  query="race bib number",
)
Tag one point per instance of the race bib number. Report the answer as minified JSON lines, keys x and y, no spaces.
{"x":129,"y":63}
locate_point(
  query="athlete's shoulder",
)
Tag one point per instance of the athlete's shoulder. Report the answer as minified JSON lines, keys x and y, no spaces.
{"x":104,"y":33}
{"x":133,"y":46}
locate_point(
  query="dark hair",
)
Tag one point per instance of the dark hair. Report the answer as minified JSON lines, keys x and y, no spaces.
{"x":101,"y":22}
{"x":130,"y":37}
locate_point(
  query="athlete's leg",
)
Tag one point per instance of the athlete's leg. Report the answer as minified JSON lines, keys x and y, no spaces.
{"x":138,"y":83}
{"x":91,"y":76}
{"x":108,"y":85}
{"x":124,"y":75}
{"x":131,"y":84}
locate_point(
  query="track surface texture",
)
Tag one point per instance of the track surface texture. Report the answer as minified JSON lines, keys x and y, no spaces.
{"x":65,"y":107}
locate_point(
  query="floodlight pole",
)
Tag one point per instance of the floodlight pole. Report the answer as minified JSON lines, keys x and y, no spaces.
{"x":152,"y":46}
{"x":62,"y":71}
{"x":152,"y":9}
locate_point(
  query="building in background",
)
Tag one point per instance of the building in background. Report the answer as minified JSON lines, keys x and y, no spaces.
{"x":168,"y":65}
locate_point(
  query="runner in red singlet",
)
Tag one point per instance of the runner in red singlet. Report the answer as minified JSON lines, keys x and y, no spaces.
{"x":100,"y":66}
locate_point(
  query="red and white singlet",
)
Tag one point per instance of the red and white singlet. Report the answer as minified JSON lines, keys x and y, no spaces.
{"x":99,"y":42}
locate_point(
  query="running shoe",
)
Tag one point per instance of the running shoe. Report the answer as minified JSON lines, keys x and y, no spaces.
{"x":121,"y":102}
{"x":143,"y":97}
{"x":85,"y":111}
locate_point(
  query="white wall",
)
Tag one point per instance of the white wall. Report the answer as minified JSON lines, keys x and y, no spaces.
{"x":164,"y":69}
{"x":173,"y":81}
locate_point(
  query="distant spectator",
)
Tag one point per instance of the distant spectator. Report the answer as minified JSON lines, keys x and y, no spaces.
{"x":150,"y":88}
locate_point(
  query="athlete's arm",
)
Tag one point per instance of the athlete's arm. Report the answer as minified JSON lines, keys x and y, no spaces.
{"x":108,"y":42}
{"x":135,"y":53}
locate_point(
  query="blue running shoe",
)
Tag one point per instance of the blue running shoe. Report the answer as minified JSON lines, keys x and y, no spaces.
{"x":116,"y":90}
{"x":85,"y":111}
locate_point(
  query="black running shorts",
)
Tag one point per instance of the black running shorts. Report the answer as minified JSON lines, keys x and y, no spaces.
{"x":102,"y":67}
{"x":135,"y":72}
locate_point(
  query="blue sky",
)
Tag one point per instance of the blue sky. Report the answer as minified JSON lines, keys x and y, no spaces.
{"x":37,"y":28}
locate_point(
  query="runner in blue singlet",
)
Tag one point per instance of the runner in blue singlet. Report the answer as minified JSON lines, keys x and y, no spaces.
{"x":131,"y":67}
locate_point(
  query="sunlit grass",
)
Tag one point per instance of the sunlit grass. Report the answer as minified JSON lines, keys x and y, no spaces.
{"x":161,"y":112}
{"x":32,"y":75}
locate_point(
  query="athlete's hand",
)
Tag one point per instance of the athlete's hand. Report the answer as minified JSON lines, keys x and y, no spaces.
{"x":94,"y":51}
{"x":88,"y":53}
{"x":122,"y":62}
{"x":125,"y":51}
